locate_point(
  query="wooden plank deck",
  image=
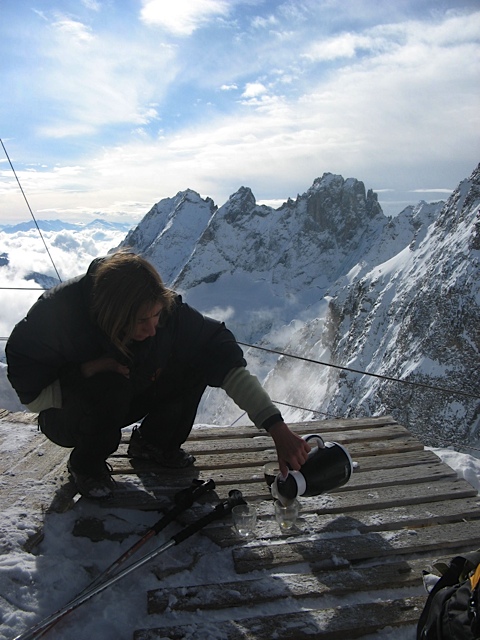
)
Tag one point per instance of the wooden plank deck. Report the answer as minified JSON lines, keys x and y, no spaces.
{"x":351,"y":566}
{"x":402,"y":509}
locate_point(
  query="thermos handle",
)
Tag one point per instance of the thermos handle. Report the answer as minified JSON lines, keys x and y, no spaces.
{"x":315,"y":440}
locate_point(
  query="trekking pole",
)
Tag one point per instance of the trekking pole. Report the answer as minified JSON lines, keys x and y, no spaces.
{"x":222,"y":509}
{"x":183,"y":500}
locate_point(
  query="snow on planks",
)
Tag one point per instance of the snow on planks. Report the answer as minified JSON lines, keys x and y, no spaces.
{"x":338,"y":572}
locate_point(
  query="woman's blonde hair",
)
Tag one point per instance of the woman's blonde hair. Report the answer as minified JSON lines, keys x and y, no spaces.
{"x":124,"y":284}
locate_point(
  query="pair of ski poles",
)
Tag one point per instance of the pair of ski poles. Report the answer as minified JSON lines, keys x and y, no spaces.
{"x":183,"y":500}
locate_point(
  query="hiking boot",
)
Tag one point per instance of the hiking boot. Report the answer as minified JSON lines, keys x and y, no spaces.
{"x":173,"y":458}
{"x":95,"y":486}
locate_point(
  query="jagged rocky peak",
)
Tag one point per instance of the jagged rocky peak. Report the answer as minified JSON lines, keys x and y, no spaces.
{"x":243,"y":198}
{"x":192,"y":197}
{"x":47,"y":282}
{"x":242,"y":204}
{"x":335,"y":203}
{"x":161,"y":217}
{"x":461,"y":202}
{"x":170,"y":231}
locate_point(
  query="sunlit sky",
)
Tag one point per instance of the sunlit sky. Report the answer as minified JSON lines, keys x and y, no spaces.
{"x":109,"y":106}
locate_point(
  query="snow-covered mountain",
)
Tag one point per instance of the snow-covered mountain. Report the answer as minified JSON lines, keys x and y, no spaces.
{"x":328,"y":277}
{"x":170,"y":231}
{"x":261,"y":266}
{"x":416,"y":317}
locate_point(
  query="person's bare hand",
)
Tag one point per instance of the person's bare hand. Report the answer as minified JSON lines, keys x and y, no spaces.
{"x":292,"y":450}
{"x":106,"y":363}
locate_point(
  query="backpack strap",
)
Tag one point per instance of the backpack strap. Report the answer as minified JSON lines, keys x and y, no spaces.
{"x":472,"y":562}
{"x":465,"y":564}
{"x":475,"y":579}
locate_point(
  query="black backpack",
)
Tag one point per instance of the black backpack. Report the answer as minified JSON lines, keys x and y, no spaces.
{"x":452,"y":610}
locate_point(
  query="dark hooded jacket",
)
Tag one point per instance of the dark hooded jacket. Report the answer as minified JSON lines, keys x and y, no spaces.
{"x":58,"y":334}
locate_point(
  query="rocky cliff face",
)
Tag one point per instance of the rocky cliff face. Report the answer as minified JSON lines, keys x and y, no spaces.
{"x":412,"y":316}
{"x":304,"y":242}
{"x":329,"y":277}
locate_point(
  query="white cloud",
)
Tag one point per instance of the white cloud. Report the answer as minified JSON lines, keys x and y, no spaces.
{"x":182,"y":17}
{"x":93,"y":5}
{"x":71,"y":251}
{"x":220,"y":313}
{"x":73,"y":29}
{"x":259,"y":22}
{"x":345,"y":45}
{"x":253,"y":90}
{"x":89,"y":81}
{"x":440,"y":190}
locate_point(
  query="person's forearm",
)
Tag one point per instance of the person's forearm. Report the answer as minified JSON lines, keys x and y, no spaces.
{"x":248,"y":394}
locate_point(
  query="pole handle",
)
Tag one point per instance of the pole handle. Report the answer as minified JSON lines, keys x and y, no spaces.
{"x":186,"y":497}
{"x":183,"y":500}
{"x":222,"y":509}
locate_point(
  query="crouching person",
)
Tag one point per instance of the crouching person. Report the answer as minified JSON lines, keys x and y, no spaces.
{"x":115,"y":346}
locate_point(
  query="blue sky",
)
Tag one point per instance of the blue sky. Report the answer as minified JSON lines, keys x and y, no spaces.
{"x":109,"y":106}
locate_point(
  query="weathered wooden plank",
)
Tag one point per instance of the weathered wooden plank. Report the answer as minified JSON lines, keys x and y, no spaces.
{"x":227,"y":461}
{"x":412,"y":516}
{"x":261,"y":441}
{"x":385,"y":462}
{"x":380,"y":447}
{"x":374,"y":499}
{"x":427,"y":472}
{"x":22,"y":417}
{"x":338,"y":623}
{"x":244,"y":475}
{"x":264,"y":441}
{"x":394,"y":460}
{"x":40,"y":460}
{"x":273,"y":588}
{"x":206,"y":462}
{"x":401,"y":475}
{"x":358,"y":547}
{"x":256,"y":489}
{"x":315,"y":426}
{"x":409,"y":514}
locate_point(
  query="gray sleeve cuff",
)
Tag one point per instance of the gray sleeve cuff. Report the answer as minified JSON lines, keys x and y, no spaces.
{"x":50,"y":397}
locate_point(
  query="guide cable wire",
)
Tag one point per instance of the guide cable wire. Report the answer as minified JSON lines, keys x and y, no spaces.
{"x":31,"y":212}
{"x":365,"y":373}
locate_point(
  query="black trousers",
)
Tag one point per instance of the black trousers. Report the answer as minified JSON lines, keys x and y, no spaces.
{"x":94,"y":411}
